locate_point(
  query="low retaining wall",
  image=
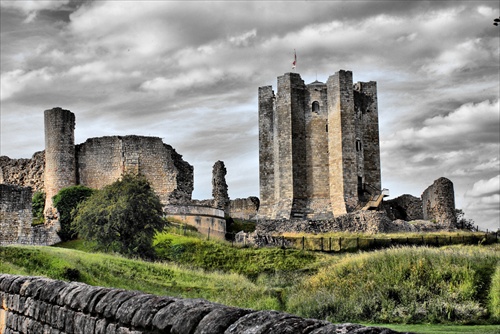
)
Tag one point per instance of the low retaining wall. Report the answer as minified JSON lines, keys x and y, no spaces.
{"x":42,"y":305}
{"x":208,"y":221}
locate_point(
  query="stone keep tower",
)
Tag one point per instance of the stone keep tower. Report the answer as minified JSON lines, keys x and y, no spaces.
{"x":60,"y":166}
{"x":318,"y":147}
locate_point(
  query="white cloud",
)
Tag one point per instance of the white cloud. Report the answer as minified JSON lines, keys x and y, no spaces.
{"x":99,"y":71}
{"x":16,"y":81}
{"x":32,"y":7}
{"x":244,"y":39}
{"x":463,"y":56}
{"x":488,"y":189}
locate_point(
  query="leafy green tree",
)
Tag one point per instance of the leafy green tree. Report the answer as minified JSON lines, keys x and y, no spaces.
{"x":122,"y":217}
{"x":37,"y":206}
{"x":65,"y":202}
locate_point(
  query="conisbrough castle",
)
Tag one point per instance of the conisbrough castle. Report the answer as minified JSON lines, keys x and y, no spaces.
{"x":319,"y":147}
{"x":319,"y":159}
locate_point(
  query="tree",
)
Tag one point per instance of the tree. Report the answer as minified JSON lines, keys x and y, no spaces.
{"x":464,"y":223}
{"x":65,"y":202}
{"x":122,"y":217}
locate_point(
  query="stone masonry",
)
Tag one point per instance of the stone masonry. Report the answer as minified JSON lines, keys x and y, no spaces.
{"x":42,"y":305}
{"x":95,"y":164}
{"x":23,"y":172}
{"x":438,"y":202}
{"x":219,"y":186}
{"x":16,"y":219}
{"x":318,"y":147}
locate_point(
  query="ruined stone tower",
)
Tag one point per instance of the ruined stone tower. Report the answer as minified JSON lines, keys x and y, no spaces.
{"x":60,"y":165}
{"x":318,"y":147}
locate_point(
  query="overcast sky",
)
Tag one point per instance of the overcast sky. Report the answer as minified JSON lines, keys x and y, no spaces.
{"x":189,"y":71}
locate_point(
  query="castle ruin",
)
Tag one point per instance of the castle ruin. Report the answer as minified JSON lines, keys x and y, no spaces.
{"x":318,"y":147}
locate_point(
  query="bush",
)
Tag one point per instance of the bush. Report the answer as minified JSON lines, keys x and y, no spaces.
{"x":122,"y":217}
{"x":65,"y":202}
{"x":37,"y":206}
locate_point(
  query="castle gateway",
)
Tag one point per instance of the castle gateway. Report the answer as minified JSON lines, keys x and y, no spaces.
{"x":318,"y":148}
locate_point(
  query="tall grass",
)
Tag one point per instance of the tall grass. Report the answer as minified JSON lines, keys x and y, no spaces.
{"x":403,"y":285}
{"x":157,"y":278}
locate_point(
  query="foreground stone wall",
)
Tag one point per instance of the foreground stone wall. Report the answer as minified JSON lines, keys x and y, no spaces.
{"x":42,"y":305}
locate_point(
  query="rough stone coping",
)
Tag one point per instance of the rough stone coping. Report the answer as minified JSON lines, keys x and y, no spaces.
{"x":77,"y":307}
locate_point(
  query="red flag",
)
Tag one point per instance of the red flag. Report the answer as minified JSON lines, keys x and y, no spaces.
{"x":294,"y":59}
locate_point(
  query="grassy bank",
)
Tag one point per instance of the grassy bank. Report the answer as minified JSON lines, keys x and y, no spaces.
{"x":156,"y":278}
{"x":405,"y":285}
{"x":454,"y":284}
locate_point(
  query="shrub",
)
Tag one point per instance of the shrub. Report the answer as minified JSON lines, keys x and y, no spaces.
{"x":65,"y":202}
{"x":38,"y":204}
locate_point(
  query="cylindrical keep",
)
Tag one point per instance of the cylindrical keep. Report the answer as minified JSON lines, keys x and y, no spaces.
{"x":60,"y":167}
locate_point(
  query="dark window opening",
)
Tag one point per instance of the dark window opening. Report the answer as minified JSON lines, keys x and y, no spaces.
{"x":360,"y":186}
{"x":358,"y":145}
{"x":315,"y":107}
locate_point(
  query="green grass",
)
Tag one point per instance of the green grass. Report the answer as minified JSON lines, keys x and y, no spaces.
{"x":452,"y":285}
{"x":403,"y":285}
{"x":215,"y":255}
{"x":156,"y":278}
{"x":444,"y":329}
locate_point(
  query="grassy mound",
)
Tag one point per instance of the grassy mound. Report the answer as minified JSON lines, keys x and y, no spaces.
{"x":118,"y":272}
{"x":405,"y":285}
{"x":215,"y":255}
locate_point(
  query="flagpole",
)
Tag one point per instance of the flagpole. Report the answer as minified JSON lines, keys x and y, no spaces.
{"x":294,"y":63}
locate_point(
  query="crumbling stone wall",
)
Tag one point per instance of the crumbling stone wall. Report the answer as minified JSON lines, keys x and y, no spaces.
{"x":101,"y":161}
{"x":244,"y":208}
{"x":219,"y":186}
{"x":439,"y":202}
{"x":16,"y":218}
{"x":24,"y":172}
{"x":15,"y":213}
{"x":42,"y":305}
{"x":405,"y":207}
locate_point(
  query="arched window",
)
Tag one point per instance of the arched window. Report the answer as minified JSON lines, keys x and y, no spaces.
{"x":315,"y":107}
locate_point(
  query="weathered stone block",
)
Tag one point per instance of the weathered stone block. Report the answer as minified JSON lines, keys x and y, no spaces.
{"x":143,"y":317}
{"x":219,"y":319}
{"x":129,"y":308}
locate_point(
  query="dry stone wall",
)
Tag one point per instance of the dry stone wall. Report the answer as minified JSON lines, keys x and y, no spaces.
{"x":42,"y":305}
